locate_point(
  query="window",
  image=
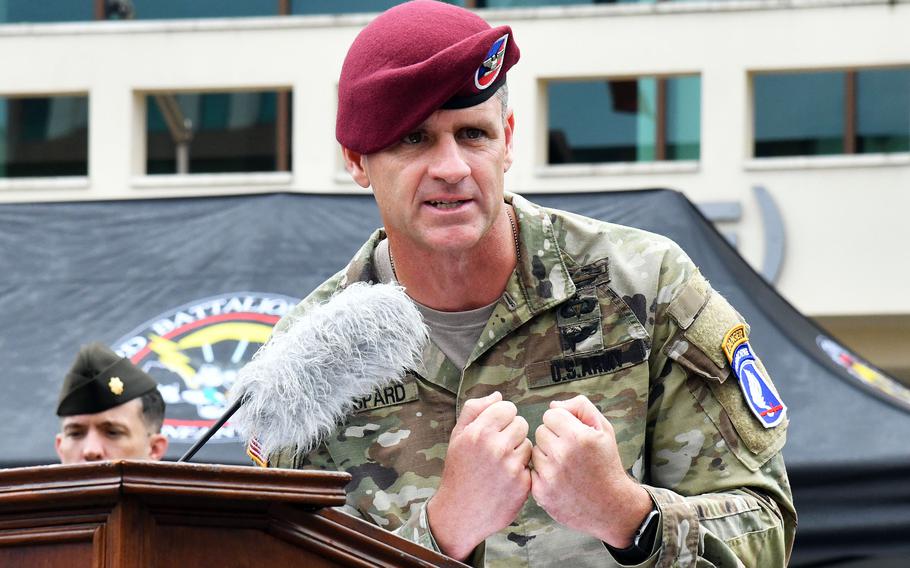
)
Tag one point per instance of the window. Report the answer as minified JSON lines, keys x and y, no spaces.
{"x":16,"y":11}
{"x":21,"y":11}
{"x":883,"y":110}
{"x":831,"y":112}
{"x":341,"y":6}
{"x":43,"y":136}
{"x":218,"y":132}
{"x":165,"y":9}
{"x":524,"y":3}
{"x":799,"y":114}
{"x":624,"y":120}
{"x":351,"y":6}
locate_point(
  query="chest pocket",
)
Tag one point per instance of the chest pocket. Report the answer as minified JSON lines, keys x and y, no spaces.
{"x":596,"y":334}
{"x":391,"y":418}
{"x":613,"y":375}
{"x":393,"y":446}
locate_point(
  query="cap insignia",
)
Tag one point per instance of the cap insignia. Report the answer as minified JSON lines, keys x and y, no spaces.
{"x":492,"y":64}
{"x":116,"y":385}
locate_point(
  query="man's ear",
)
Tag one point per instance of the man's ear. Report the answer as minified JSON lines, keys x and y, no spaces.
{"x":355,"y":164}
{"x":157,"y":446}
{"x":509,"y":132}
{"x":57,"y":441}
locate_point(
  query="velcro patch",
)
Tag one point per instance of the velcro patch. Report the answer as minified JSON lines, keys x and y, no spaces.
{"x":707,"y":330}
{"x":390,"y":395}
{"x":690,"y":301}
{"x":602,"y":362}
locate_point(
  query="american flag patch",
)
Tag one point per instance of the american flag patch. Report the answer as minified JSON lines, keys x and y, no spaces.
{"x":254,"y":450}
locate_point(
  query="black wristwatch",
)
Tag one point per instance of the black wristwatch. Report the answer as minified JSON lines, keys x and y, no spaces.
{"x":642,"y":541}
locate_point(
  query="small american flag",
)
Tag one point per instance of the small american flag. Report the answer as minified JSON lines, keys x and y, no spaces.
{"x":254,"y":450}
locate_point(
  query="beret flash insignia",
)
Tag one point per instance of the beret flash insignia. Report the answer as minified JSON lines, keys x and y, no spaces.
{"x":492,"y":64}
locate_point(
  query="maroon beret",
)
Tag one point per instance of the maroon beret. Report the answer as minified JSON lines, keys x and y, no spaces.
{"x":413,"y":60}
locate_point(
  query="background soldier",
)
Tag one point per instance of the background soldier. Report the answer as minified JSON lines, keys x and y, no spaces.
{"x":109,"y":410}
{"x":603,"y":344}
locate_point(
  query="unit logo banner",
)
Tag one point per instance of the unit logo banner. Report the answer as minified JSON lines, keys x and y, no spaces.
{"x":864,"y":372}
{"x":195,"y":351}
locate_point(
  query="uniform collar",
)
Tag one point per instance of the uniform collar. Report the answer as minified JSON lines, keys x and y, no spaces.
{"x":361,"y":268}
{"x":543,"y":277}
{"x":540,"y":281}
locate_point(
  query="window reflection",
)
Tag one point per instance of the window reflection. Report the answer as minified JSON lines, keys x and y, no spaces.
{"x":684,"y":118}
{"x":176,"y":9}
{"x":218,"y":132}
{"x":341,"y":6}
{"x":528,"y":3}
{"x":43,"y":136}
{"x":633,"y":120}
{"x":832,"y":112}
{"x":883,"y":110}
{"x":799,"y":114}
{"x":23,"y":11}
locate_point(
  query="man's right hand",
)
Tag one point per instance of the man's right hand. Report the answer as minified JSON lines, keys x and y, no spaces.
{"x":485,"y":480}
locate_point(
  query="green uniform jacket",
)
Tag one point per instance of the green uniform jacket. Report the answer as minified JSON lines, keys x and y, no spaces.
{"x":623,"y":317}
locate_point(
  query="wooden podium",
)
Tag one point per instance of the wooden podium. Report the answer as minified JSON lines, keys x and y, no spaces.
{"x":140,"y":514}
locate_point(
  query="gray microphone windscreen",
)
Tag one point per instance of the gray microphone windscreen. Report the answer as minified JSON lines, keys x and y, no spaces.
{"x":303,"y":382}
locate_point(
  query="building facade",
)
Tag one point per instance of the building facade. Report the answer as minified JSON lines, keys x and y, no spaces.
{"x":788,"y":121}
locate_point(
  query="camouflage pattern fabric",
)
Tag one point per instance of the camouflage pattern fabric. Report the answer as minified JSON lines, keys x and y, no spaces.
{"x":623,"y":317}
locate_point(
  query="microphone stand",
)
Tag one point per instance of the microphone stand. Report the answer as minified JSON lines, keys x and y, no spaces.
{"x":211,"y":431}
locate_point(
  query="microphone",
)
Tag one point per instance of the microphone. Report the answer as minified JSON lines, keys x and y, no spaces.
{"x":303,"y":382}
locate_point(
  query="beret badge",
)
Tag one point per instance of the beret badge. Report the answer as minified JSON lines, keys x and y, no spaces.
{"x":492,"y":64}
{"x":413,"y":60}
{"x":116,"y":386}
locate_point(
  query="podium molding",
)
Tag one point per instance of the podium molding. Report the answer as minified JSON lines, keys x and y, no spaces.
{"x":144,"y":514}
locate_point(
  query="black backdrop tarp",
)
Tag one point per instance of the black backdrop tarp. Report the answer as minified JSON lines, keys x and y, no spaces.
{"x":76,"y":272}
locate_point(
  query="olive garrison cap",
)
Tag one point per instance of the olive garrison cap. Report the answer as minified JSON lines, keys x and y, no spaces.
{"x":413,"y":60}
{"x":100,"y":379}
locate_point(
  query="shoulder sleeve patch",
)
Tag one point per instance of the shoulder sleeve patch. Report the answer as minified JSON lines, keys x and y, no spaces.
{"x":693,"y":297}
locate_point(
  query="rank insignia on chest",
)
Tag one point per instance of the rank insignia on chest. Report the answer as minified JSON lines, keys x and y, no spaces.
{"x":761,"y":396}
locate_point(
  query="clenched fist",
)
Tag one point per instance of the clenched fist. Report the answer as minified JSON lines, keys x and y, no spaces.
{"x":578,"y":477}
{"x":485,"y":480}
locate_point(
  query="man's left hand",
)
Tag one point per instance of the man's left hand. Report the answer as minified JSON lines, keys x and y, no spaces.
{"x":578,"y":477}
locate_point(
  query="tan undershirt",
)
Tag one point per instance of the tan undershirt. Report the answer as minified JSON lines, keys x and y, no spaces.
{"x":455,"y":333}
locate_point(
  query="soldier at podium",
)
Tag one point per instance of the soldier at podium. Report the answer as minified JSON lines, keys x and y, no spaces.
{"x":109,"y":409}
{"x":587,"y":399}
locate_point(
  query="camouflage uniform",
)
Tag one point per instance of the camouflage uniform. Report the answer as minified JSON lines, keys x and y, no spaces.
{"x":623,"y":317}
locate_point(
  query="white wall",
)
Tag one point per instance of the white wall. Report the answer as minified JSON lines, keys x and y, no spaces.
{"x":845,"y":216}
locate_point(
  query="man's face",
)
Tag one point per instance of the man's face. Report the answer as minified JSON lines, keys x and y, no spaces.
{"x":116,"y":433}
{"x":440,"y":187}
